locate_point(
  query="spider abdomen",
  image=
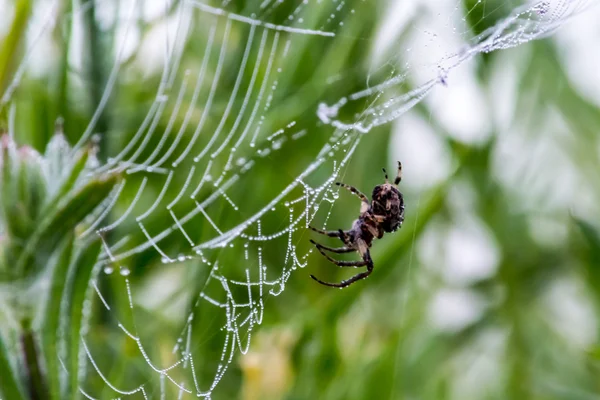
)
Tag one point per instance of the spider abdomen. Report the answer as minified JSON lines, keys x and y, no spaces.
{"x":388,"y":203}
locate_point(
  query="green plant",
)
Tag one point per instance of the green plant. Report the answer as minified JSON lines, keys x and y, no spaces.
{"x":45,"y":270}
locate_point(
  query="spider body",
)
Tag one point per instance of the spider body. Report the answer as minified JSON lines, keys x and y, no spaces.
{"x":384,"y":213}
{"x":388,"y":201}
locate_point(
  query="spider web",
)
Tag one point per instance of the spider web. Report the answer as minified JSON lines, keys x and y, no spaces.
{"x":201,"y":159}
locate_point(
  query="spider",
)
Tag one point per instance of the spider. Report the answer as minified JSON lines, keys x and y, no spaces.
{"x":384,"y":213}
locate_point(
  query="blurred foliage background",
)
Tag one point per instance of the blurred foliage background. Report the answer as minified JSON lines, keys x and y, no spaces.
{"x":491,"y":289}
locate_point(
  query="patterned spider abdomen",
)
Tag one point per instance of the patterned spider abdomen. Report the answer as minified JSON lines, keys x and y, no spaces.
{"x":389,"y":203}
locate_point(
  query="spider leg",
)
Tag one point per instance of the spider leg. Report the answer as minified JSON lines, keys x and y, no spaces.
{"x":367,"y":261}
{"x":386,"y":175}
{"x":365,"y":201}
{"x":354,"y":264}
{"x":378,"y":218}
{"x":353,"y":190}
{"x":336,"y":250}
{"x":343,"y":237}
{"x":326,"y":233}
{"x":399,"y":175}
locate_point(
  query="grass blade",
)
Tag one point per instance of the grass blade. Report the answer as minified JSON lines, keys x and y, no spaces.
{"x":79,"y":281}
{"x":11,"y":43}
{"x":52,"y":316}
{"x":65,"y":217}
{"x":9,"y":385}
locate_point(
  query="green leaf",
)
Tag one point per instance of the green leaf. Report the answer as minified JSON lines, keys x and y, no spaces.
{"x":9,"y":385}
{"x":62,"y":220}
{"x":32,"y":185}
{"x":79,"y":279}
{"x":58,"y":156}
{"x":36,"y":381}
{"x":15,"y":216}
{"x":69,"y":182}
{"x":52,"y":316}
{"x":11,"y":43}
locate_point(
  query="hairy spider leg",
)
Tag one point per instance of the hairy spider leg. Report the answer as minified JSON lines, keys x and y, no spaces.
{"x":365,"y":201}
{"x":343,"y":263}
{"x":343,"y":236}
{"x":320,"y":247}
{"x":353,"y":190}
{"x":367,"y":261}
{"x":338,"y":234}
{"x":326,"y":233}
{"x":366,"y":256}
{"x":399,"y":175}
{"x":333,"y":250}
{"x":378,"y":218}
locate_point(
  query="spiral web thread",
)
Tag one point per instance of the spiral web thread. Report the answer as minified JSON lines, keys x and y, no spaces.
{"x":206,"y":151}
